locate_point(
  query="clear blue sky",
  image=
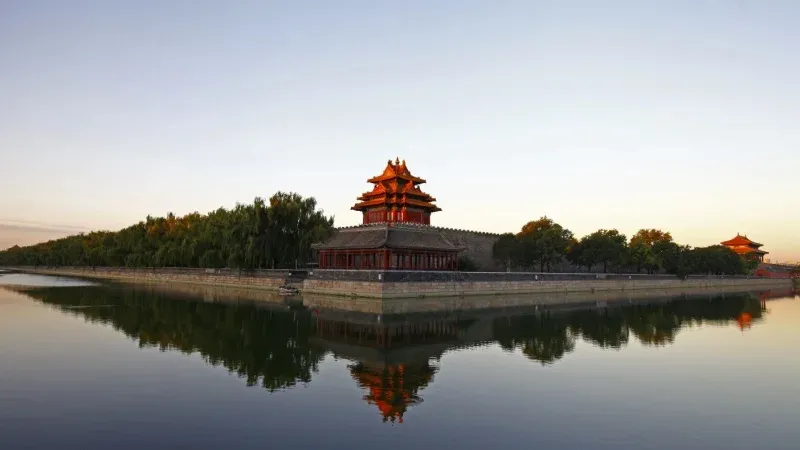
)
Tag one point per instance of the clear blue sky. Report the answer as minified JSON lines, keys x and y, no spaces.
{"x":681,"y":115}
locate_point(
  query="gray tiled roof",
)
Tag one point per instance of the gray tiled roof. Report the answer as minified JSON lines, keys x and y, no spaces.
{"x":390,"y":236}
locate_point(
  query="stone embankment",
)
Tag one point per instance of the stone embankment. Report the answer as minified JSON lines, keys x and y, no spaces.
{"x":408,"y":284}
{"x":259,"y":279}
{"x":420,"y":284}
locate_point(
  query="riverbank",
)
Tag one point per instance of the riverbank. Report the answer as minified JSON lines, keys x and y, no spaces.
{"x":402,"y":285}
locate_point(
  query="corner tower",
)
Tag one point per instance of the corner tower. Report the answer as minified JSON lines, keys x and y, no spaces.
{"x":396,"y":198}
{"x":396,"y":231}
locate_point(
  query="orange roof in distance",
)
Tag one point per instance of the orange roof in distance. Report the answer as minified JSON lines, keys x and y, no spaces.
{"x":740,"y":240}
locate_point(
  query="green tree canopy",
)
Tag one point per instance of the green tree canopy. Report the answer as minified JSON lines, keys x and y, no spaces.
{"x":544,"y":243}
{"x":641,"y":249}
{"x":606,"y":247}
{"x":265,"y":234}
{"x":506,"y":250}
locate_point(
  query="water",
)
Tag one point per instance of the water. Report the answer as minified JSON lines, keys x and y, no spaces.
{"x":128,"y":367}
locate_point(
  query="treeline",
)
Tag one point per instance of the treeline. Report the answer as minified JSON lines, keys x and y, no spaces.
{"x":542,"y":244}
{"x":269,"y":235}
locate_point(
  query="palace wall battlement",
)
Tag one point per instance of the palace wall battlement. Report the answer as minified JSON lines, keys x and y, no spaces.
{"x":478,"y":244}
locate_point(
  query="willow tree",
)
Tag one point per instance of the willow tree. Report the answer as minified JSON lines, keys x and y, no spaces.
{"x":265,"y":234}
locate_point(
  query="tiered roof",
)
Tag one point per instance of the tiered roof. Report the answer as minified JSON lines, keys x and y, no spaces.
{"x":396,"y":187}
{"x":743,"y":246}
{"x":741,"y":240}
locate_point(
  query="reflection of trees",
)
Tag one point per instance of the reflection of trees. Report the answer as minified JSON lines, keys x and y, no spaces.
{"x":273,"y":349}
{"x":547,"y":337}
{"x":604,"y":329}
{"x":266,"y":347}
{"x":542,"y":338}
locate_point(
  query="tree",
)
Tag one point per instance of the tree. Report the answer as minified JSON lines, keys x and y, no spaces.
{"x":672,"y":257}
{"x":544,"y":242}
{"x":603,"y":246}
{"x":715,"y":260}
{"x":581,"y":255}
{"x":466,"y":264}
{"x":506,"y":250}
{"x":641,"y":250}
{"x":276,"y":234}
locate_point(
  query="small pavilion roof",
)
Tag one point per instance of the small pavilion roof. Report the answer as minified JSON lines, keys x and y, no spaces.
{"x":399,"y":236}
{"x":741,"y":240}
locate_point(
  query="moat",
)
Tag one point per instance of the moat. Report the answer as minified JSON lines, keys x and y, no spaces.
{"x":101,"y":365}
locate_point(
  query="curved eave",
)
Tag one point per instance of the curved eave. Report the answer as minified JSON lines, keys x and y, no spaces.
{"x":740,"y":240}
{"x":399,"y":196}
{"x":363,"y":206}
{"x":749,"y":251}
{"x":386,"y":177}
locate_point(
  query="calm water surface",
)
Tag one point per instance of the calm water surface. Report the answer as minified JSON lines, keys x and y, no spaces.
{"x":123,"y":367}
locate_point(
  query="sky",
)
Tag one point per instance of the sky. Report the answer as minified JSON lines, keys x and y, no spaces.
{"x":679,"y":115}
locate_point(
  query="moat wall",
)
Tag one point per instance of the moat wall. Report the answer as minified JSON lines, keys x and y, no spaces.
{"x":411,"y":284}
{"x":257,"y":279}
{"x":404,"y":285}
{"x":478,"y":246}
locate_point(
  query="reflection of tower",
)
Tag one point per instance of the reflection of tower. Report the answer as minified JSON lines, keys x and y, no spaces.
{"x":392,"y":387}
{"x":392,"y":360}
{"x":744,"y":320}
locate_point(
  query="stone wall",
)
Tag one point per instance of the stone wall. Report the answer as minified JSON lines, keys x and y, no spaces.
{"x":262,"y":279}
{"x":510,"y":303}
{"x":478,"y":244}
{"x":385,"y":285}
{"x":421,"y":284}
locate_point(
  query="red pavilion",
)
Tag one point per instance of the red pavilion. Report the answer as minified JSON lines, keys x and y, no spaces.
{"x":745,"y":247}
{"x":395,"y":231}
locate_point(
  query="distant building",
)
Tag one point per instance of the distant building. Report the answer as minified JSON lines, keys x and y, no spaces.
{"x":395,"y":231}
{"x":748,"y":249}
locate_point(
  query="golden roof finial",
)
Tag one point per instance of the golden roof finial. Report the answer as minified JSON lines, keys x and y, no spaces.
{"x":397,"y":161}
